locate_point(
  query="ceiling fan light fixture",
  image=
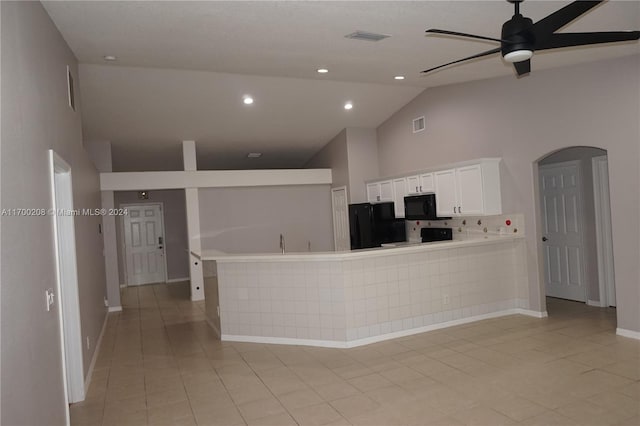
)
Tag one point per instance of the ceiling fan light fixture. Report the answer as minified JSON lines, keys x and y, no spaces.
{"x":518,"y":55}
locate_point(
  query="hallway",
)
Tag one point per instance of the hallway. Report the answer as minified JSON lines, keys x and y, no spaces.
{"x":160,"y":364}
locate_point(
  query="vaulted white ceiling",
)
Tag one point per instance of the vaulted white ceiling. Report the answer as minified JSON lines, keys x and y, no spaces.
{"x":183,"y":67}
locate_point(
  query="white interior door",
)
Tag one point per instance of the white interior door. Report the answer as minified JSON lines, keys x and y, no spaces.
{"x":340,"y":219}
{"x":144,"y":244}
{"x":560,"y":196}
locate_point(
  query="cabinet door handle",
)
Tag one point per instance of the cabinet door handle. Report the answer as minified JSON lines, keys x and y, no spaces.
{"x":459,"y":209}
{"x":454,"y":210}
{"x":378,"y":197}
{"x":416,"y":189}
{"x":420,"y":188}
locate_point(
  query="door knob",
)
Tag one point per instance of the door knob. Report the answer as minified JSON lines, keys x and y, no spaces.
{"x":544,"y":238}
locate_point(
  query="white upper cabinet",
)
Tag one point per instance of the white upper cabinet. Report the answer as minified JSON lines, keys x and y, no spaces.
{"x":413,"y":184}
{"x":399,"y":192}
{"x":380,"y":191}
{"x":373,"y":192}
{"x":426,"y":182}
{"x":419,"y":184}
{"x":386,"y":191}
{"x":445,"y":189}
{"x":470,"y":190}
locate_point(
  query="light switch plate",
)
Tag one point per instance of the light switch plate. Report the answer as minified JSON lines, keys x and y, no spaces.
{"x":50,"y":298}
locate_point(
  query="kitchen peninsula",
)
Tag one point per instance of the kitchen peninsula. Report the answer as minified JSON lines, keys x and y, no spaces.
{"x":352,"y":298}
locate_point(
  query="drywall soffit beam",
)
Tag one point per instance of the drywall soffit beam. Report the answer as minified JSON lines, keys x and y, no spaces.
{"x":137,"y":181}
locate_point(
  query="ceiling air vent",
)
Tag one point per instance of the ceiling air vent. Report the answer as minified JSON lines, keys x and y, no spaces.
{"x":418,"y":124}
{"x":363,"y":35}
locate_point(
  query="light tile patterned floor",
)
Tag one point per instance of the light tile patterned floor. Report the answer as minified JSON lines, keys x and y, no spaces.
{"x":160,"y":364}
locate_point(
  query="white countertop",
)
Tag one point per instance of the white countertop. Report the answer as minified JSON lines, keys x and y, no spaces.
{"x":354,"y":254}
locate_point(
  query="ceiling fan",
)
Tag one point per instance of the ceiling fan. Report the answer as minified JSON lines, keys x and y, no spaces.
{"x":521,"y":37}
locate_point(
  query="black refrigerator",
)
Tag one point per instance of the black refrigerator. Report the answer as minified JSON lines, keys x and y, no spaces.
{"x":371,"y":225}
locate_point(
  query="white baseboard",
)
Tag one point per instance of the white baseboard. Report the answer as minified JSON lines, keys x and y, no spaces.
{"x":175,"y":280}
{"x":215,"y":329}
{"x":530,"y":313}
{"x":87,"y":379}
{"x":379,"y":338}
{"x":628,"y":333}
{"x":115,"y":308}
{"x":595,"y":303}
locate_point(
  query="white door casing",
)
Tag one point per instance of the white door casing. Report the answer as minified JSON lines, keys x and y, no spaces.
{"x":144,"y":244}
{"x":604,"y":241}
{"x":67,"y":281}
{"x":341,"y":236}
{"x":563,"y":248}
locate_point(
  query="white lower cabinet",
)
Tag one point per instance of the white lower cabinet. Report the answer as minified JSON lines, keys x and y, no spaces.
{"x":470,"y":190}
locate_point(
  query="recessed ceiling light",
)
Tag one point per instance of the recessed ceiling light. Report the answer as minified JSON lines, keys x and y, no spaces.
{"x":348,"y":105}
{"x":323,"y":70}
{"x":399,"y":77}
{"x":110,"y":58}
{"x":248,"y":100}
{"x":254,"y":155}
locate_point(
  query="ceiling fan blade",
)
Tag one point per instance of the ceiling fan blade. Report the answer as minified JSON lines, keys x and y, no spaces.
{"x":558,"y":19}
{"x":479,"y":55}
{"x":523,"y":67}
{"x":583,"y":39}
{"x":453,"y":33}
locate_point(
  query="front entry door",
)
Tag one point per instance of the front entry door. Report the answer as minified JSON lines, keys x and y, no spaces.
{"x":144,"y":241}
{"x":561,"y":209}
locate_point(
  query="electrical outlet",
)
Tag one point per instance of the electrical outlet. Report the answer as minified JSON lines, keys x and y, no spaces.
{"x":88,"y":343}
{"x":106,"y":303}
{"x":445,"y":299}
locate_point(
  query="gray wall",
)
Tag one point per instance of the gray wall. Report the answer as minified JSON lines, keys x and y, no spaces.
{"x":250,"y":220}
{"x":584,"y":155}
{"x":352,"y":157}
{"x":334,"y":156}
{"x":175,"y":226}
{"x":523,"y":120}
{"x":36,"y":117}
{"x":362,"y":151}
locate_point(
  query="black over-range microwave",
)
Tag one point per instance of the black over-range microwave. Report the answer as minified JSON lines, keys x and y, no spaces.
{"x":420,"y":207}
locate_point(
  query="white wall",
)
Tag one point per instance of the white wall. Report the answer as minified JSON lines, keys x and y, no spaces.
{"x":584,"y":155}
{"x":36,"y":117}
{"x":250,"y":220}
{"x":175,"y":226}
{"x":522,"y":120}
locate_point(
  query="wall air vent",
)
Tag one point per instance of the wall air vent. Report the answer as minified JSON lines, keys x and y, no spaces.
{"x":363,"y":35}
{"x":418,"y":124}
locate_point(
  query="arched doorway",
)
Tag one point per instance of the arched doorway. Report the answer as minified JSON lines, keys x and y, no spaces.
{"x":575,"y":232}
